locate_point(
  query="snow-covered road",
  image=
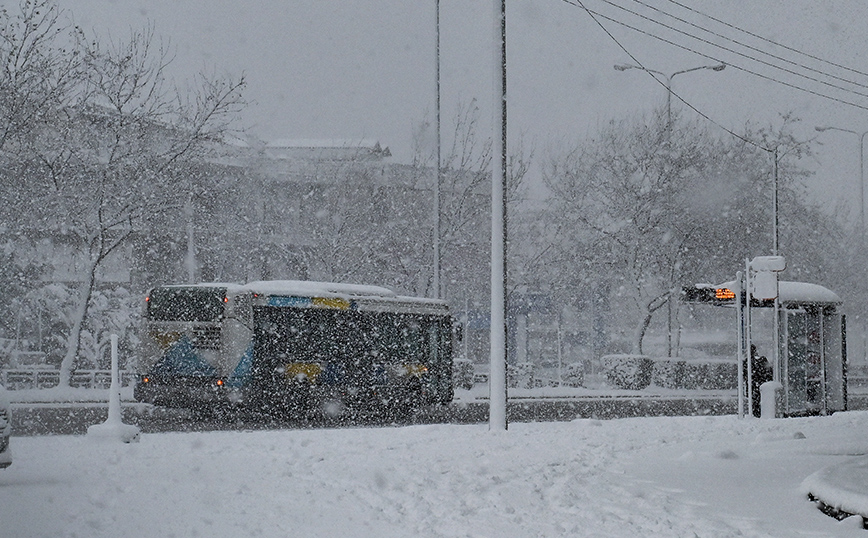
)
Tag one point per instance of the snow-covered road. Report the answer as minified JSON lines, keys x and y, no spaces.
{"x":686,"y":476}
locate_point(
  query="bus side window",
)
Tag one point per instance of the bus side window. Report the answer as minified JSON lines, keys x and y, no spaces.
{"x":240,"y":308}
{"x":457,"y":330}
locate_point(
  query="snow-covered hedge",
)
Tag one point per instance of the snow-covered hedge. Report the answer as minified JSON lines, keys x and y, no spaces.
{"x":462,"y":373}
{"x":632,"y":372}
{"x":636,"y":372}
{"x":708,"y":374}
{"x":521,"y":375}
{"x":574,"y":374}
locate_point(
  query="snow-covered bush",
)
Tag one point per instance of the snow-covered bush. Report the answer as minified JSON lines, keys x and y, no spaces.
{"x":669,"y":373}
{"x":522,"y":375}
{"x":710,"y":374}
{"x":631,"y":372}
{"x":462,"y":373}
{"x":574,"y":374}
{"x":720,"y":375}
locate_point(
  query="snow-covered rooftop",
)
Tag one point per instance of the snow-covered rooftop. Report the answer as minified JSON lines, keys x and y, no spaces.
{"x":324,"y":143}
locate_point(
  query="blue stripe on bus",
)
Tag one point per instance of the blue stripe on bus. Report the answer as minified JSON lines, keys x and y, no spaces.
{"x":181,"y":359}
{"x":277,"y":300}
{"x":241,"y":375}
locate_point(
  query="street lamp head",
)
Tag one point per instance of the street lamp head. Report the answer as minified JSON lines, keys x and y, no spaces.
{"x":719,"y":67}
{"x":821,"y":129}
{"x":622,"y":67}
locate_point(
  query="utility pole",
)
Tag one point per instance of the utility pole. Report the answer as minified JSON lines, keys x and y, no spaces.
{"x":497,"y":420}
{"x":861,"y":173}
{"x":668,"y":84}
{"x":671,"y":311}
{"x":437,"y":181}
{"x":861,"y":210}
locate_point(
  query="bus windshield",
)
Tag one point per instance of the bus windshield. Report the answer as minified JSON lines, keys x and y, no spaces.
{"x":186,"y":304}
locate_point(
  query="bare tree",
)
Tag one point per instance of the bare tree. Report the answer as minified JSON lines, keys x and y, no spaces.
{"x":465,"y":199}
{"x":642,"y":214}
{"x":38,"y":72}
{"x":119,"y":152}
{"x":621,"y":202}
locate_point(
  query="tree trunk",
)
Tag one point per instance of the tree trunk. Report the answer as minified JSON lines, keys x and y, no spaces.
{"x":639,"y":334}
{"x":73,"y":342}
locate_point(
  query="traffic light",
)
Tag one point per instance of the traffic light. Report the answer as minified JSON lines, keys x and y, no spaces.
{"x":708,"y":294}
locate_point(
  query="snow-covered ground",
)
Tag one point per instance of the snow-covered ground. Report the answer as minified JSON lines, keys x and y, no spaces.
{"x":685,"y":476}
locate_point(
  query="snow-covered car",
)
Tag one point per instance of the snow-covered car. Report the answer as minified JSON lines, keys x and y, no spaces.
{"x":5,"y":429}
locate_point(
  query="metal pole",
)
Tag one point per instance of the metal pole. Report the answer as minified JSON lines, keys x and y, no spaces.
{"x":776,"y":370}
{"x":861,"y":171}
{"x":191,"y":239}
{"x":861,"y":206}
{"x":862,"y":185}
{"x":437,"y":187}
{"x":467,"y":328}
{"x":741,"y":340}
{"x":669,"y":108}
{"x":114,"y":411}
{"x":560,"y":351}
{"x":862,"y":226}
{"x":497,"y":377}
{"x":668,"y":83}
{"x":775,"y":208}
{"x":748,"y":337}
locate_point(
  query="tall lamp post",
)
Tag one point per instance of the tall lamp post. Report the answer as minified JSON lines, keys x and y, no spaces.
{"x":861,"y":172}
{"x":668,"y":82}
{"x":861,"y":200}
{"x":438,"y":179}
{"x":497,"y":419}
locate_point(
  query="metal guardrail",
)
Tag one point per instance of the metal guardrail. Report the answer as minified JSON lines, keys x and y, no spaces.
{"x":857,"y":381}
{"x":43,"y":378}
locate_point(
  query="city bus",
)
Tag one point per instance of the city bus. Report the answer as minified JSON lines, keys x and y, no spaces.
{"x":296,"y":349}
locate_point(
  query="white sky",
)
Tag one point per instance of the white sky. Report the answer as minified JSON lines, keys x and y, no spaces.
{"x":365,"y":69}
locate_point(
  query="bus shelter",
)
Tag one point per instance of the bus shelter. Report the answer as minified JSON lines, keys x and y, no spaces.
{"x":811,"y":358}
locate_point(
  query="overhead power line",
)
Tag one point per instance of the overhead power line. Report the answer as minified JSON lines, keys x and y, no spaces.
{"x":730,"y":50}
{"x":597,"y":15}
{"x":594,"y":15}
{"x":767,"y":40}
{"x":753,"y":48}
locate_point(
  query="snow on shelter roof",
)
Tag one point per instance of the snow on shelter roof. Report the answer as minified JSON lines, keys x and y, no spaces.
{"x":799,"y":293}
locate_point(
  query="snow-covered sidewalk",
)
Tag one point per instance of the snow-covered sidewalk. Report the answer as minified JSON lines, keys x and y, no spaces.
{"x":682,"y":476}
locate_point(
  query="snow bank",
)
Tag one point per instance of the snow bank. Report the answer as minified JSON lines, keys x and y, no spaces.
{"x":114,"y":431}
{"x":842,"y":487}
{"x":67,"y":395}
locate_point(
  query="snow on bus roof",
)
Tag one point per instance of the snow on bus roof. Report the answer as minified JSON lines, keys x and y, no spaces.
{"x":320,"y":289}
{"x":227,"y":285}
{"x":799,"y":293}
{"x":307,"y":288}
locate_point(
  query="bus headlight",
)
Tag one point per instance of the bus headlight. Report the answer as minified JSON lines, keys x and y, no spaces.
{"x":417,"y":370}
